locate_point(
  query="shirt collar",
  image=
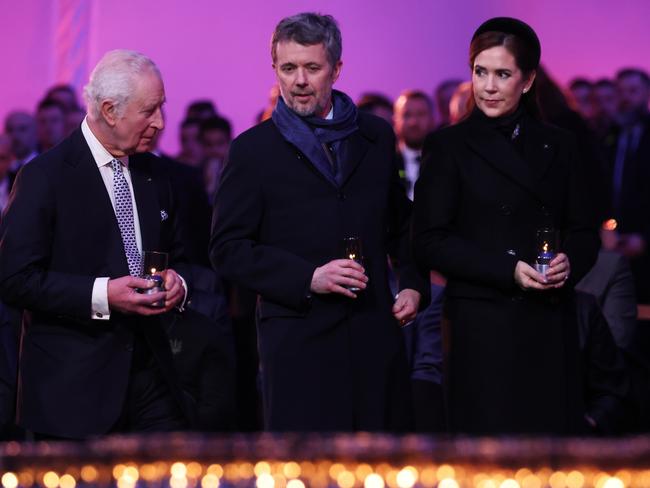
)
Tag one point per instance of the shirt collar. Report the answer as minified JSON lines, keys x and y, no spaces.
{"x":330,"y":114}
{"x":100,"y":154}
{"x":409,"y":153}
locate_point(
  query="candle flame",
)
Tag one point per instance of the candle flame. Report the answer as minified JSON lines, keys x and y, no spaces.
{"x":545,"y":247}
{"x":353,"y":255}
{"x":153,"y":271}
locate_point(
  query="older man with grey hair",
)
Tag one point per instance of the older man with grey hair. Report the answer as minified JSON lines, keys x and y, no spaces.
{"x":94,"y":358}
{"x":295,"y":189}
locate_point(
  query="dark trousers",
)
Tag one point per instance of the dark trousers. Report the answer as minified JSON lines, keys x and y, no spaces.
{"x":149,"y":405}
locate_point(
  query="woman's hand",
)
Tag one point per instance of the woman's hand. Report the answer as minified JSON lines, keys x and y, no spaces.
{"x":559,"y":271}
{"x":528,"y":277}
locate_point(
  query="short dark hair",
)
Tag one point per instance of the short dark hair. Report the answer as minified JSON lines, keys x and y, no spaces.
{"x":309,"y":28}
{"x":216,"y":123}
{"x":202,"y":105}
{"x":580,"y":82}
{"x":604,"y":83}
{"x":625,"y":72}
{"x":369,"y":101}
{"x":189,"y":121}
{"x":49,"y":103}
{"x":417,"y":95}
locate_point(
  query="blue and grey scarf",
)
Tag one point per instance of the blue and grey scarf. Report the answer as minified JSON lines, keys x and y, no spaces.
{"x":313,"y":135}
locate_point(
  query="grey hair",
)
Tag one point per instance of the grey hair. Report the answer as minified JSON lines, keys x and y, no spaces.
{"x":114,"y":79}
{"x":310,"y":28}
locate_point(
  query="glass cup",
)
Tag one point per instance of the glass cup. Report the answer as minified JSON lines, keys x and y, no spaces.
{"x":546,"y":246}
{"x":154,"y":262}
{"x":352,"y":249}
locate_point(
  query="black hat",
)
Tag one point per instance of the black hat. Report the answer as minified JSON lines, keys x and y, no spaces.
{"x":508,"y":25}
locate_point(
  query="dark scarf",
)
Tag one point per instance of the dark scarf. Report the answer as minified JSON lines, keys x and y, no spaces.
{"x":313,"y":135}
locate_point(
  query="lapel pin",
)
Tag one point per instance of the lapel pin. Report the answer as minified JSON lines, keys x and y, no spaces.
{"x":163,"y":215}
{"x":176,"y":346}
{"x":546,"y":146}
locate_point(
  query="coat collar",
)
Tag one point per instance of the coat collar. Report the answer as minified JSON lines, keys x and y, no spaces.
{"x":501,"y":154}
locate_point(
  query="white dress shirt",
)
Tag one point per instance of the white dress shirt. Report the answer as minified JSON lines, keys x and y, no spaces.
{"x":99,"y":308}
{"x":411,"y":166}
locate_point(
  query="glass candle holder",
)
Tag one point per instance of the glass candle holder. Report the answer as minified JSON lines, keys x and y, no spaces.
{"x":154,"y":262}
{"x":546,"y":249}
{"x":353,"y":249}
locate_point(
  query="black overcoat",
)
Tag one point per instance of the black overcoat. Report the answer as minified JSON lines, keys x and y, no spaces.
{"x":513,"y":355}
{"x":327,"y":362}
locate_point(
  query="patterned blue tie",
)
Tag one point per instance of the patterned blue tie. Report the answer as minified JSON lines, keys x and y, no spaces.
{"x":124,"y":214}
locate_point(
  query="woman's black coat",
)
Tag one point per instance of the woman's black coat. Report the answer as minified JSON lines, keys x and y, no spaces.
{"x":513,"y":358}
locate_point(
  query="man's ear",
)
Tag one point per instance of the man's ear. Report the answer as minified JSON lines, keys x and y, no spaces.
{"x":337,"y":70}
{"x":109,"y":112}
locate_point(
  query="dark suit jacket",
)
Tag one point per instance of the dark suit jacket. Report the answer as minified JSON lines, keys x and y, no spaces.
{"x":203,"y":352}
{"x":327,"y":362}
{"x":634,"y":205}
{"x":478,"y":204}
{"x":612,"y":283}
{"x":60,"y":233}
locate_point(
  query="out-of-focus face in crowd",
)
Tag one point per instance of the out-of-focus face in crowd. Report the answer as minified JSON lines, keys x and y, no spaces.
{"x":497,"y":82}
{"x":634,"y":93}
{"x":413,"y":120}
{"x":191,"y":147}
{"x":50,"y":125}
{"x":6,"y":157}
{"x":215,"y":144}
{"x":605,"y":100}
{"x":21,"y":129}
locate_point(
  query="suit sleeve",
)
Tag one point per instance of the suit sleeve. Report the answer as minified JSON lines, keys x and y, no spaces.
{"x":236,"y":249}
{"x":26,"y":235}
{"x":436,"y":244}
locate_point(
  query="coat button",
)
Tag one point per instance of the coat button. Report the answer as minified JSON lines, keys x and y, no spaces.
{"x":506,"y":209}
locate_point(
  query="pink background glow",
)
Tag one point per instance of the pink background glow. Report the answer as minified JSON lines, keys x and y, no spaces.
{"x":220,"y":50}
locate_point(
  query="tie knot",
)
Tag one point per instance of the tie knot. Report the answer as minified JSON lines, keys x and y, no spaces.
{"x":116,"y":164}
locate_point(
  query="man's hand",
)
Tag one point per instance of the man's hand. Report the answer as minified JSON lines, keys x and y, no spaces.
{"x":337,"y":276}
{"x":123,"y":297}
{"x":406,"y":305}
{"x":174,"y":291}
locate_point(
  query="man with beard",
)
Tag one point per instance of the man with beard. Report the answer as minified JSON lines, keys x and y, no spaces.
{"x":413,"y":114}
{"x":294,"y":187}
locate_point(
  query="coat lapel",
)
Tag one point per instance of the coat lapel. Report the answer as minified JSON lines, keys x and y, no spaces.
{"x":503,"y":157}
{"x":146,"y":199}
{"x":92,"y":184}
{"x":353,"y":151}
{"x":542,"y":150}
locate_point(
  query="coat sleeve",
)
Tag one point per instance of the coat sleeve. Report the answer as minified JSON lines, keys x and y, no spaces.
{"x":437,"y":245}
{"x":26,"y":235}
{"x":399,"y":235}
{"x":236,"y":249}
{"x":581,"y":241}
